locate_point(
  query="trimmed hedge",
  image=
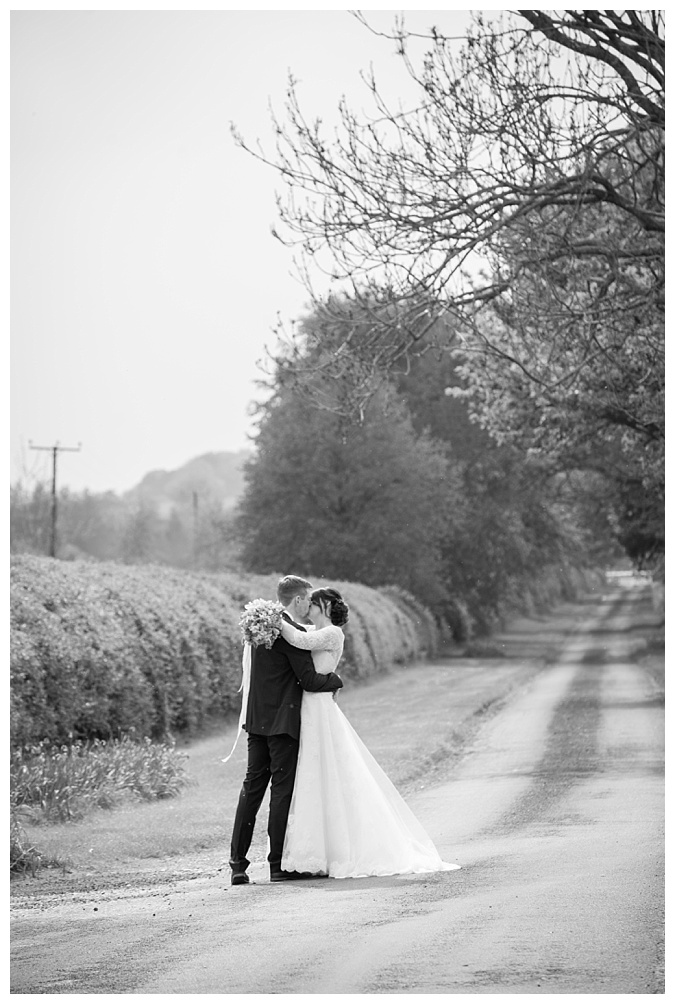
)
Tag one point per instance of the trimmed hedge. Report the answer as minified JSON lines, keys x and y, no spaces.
{"x":101,"y":650}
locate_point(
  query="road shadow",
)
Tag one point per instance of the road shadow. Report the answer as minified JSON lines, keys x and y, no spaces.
{"x":382,"y":881}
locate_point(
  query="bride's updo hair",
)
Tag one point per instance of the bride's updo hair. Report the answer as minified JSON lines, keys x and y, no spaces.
{"x":339,"y":611}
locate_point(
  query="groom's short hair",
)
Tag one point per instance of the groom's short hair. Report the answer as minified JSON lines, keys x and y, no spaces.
{"x":291,"y":586}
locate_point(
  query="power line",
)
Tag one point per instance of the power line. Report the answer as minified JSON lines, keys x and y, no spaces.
{"x":54,"y":450}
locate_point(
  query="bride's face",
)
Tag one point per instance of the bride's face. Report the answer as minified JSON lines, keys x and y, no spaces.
{"x":315,"y":612}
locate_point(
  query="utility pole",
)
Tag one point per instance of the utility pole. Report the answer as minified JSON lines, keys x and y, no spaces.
{"x":54,"y":450}
{"x":195,"y":528}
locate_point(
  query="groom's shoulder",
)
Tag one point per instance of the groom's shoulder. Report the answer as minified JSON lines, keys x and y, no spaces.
{"x":283,"y":651}
{"x":278,"y":652}
{"x":293,"y":623}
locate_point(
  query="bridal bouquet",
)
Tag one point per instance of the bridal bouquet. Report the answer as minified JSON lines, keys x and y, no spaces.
{"x":260,"y":622}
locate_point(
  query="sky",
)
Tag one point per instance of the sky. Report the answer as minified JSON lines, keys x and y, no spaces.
{"x":145,"y":281}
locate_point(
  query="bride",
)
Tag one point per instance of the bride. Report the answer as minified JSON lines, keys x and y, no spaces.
{"x":346,"y":820}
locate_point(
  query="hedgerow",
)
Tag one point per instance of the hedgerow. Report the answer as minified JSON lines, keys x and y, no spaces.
{"x":99,"y":650}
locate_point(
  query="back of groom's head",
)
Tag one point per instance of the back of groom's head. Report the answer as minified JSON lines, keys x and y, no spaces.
{"x":291,"y":586}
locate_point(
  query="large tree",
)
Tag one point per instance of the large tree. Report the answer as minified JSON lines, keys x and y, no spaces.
{"x":522,"y":195}
{"x":407,"y":492}
{"x":329,"y":497}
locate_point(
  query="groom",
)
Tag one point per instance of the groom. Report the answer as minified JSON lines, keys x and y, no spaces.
{"x":278,"y":677}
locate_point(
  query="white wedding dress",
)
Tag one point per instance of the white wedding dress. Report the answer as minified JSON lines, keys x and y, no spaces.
{"x":346,"y":820}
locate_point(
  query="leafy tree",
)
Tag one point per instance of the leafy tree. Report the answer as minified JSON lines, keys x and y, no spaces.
{"x":176,"y":544}
{"x":522,"y":196}
{"x":29,"y":518}
{"x":91,"y":524}
{"x":363,"y":501}
{"x":217,"y":543}
{"x":140,"y":538}
{"x":517,"y":515}
{"x":345,"y":495}
{"x":88,"y":524}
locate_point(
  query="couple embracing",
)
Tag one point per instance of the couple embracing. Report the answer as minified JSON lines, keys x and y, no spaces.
{"x":333,"y":811}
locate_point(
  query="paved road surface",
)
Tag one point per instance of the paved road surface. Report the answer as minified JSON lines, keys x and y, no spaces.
{"x":555,"y":814}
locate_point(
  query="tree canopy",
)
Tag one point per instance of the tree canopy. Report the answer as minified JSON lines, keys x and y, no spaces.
{"x":409,"y":493}
{"x":364,"y":501}
{"x":521,"y":199}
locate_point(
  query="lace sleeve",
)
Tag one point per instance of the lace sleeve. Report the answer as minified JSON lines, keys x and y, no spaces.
{"x":325,"y":639}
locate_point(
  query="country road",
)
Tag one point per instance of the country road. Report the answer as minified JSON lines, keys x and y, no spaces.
{"x":554,"y":810}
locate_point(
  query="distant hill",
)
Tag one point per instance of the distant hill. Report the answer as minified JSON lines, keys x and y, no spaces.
{"x":213,"y":477}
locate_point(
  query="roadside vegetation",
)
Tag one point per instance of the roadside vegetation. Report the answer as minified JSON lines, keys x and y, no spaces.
{"x":62,"y":784}
{"x":51,"y":784}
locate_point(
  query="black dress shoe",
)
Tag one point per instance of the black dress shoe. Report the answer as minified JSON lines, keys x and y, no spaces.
{"x":282,"y":876}
{"x":240,"y":878}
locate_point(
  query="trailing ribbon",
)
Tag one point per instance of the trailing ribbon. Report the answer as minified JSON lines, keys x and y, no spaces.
{"x":243,"y":689}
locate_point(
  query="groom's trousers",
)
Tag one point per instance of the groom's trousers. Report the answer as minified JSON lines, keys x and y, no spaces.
{"x":272,"y":758}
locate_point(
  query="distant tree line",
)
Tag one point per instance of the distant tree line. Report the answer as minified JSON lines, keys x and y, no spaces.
{"x":132,"y":530}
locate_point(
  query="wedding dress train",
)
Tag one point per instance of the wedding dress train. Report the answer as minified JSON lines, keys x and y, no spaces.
{"x":347,"y":820}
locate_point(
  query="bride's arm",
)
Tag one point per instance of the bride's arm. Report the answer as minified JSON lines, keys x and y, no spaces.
{"x":322,"y":639}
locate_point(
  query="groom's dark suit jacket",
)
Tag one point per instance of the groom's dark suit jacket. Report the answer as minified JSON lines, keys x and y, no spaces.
{"x":278,"y":677}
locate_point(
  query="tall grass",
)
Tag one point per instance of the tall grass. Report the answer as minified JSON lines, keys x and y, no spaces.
{"x":65,"y":783}
{"x":24,"y":857}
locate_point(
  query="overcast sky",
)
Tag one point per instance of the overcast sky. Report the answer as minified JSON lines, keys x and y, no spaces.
{"x":145,"y":282}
